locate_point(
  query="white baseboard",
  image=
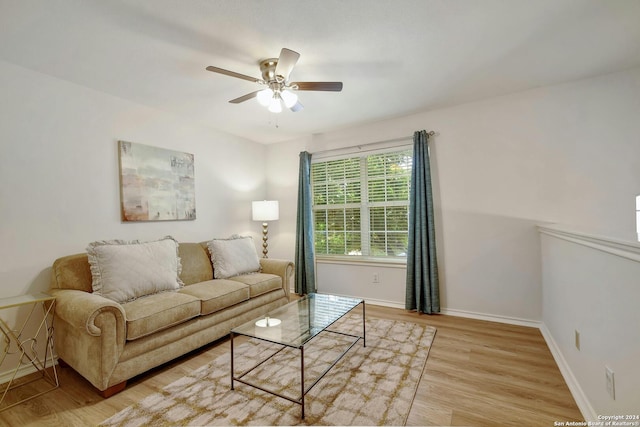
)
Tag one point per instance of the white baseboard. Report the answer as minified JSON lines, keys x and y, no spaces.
{"x":492,"y":317}
{"x":578,"y":394}
{"x":383,"y":303}
{"x":23,"y":370}
{"x":467,"y":314}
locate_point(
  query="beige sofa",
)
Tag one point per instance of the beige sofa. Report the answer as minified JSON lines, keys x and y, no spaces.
{"x":109,"y":343}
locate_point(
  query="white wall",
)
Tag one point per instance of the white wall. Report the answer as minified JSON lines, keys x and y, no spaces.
{"x":590,"y":285}
{"x":567,"y":153}
{"x":59,"y":185}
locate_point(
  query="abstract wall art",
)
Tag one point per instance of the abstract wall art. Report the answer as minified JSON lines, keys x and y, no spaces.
{"x":156,"y":184}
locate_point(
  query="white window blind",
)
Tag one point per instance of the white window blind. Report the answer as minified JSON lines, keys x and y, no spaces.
{"x":360,"y":204}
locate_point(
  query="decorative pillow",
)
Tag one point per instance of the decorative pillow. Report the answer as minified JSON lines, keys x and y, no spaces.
{"x":233,"y":256}
{"x":123,"y":271}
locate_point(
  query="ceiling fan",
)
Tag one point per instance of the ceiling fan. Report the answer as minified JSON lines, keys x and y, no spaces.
{"x":279,"y":90}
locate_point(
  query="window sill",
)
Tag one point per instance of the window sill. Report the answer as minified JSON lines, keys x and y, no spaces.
{"x":353,"y":260}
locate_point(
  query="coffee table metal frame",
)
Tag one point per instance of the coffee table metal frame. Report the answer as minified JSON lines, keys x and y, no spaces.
{"x":312,"y":331}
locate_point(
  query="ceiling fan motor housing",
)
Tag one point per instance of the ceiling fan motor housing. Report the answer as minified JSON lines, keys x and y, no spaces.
{"x":268,"y":70}
{"x":274,"y":81}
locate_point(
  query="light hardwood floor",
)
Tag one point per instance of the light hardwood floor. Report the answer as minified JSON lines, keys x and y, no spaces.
{"x":478,"y":374}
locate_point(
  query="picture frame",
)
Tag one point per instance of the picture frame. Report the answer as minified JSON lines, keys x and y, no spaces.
{"x":156,"y":184}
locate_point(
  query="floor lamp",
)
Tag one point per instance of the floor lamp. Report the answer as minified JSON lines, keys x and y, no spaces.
{"x":265,"y":210}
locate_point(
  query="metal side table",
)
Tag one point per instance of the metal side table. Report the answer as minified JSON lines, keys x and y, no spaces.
{"x":26,"y":347}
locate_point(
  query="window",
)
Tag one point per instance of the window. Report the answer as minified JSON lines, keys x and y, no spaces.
{"x":361,"y":204}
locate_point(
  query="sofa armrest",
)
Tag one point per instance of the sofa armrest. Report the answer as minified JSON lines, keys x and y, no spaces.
{"x":279,"y":267}
{"x":90,"y":334}
{"x":81,"y":309}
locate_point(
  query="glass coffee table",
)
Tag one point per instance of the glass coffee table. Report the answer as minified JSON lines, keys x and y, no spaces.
{"x":294,"y":325}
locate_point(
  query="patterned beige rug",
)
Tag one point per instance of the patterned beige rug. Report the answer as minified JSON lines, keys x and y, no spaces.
{"x":373,"y":385}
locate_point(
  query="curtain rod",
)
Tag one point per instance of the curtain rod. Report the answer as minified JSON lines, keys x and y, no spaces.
{"x":359,"y":146}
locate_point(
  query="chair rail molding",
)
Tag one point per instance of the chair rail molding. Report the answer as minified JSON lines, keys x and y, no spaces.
{"x":618,"y":247}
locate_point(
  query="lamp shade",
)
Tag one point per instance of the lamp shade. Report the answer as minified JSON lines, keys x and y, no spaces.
{"x":265,"y":210}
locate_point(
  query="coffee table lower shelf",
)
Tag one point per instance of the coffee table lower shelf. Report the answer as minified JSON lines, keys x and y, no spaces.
{"x":303,"y":389}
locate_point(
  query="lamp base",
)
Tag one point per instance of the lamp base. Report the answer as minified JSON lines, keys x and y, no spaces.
{"x":265,"y":231}
{"x":268,"y":322}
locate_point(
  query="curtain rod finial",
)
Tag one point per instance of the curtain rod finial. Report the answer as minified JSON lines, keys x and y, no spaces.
{"x":428,"y":133}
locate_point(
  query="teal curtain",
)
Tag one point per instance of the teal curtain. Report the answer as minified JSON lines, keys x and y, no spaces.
{"x":423,"y":294}
{"x":305,"y":277}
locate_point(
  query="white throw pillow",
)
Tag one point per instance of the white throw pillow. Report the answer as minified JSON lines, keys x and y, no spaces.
{"x":123,"y":271}
{"x":233,"y":256}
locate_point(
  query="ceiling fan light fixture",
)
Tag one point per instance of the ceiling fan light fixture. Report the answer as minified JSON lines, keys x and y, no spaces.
{"x":279,"y":90}
{"x":289,"y":98}
{"x":264,"y":97}
{"x":275,"y":106}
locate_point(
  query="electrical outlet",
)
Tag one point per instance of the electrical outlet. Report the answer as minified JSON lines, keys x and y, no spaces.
{"x":577,"y":336}
{"x":611,"y":385}
{"x":376,"y":278}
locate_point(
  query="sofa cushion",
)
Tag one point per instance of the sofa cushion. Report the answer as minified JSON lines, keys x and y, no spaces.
{"x":156,"y":312}
{"x":233,"y":256}
{"x":72,"y":272}
{"x":196,"y":264}
{"x":259,"y":283}
{"x":123,"y":271}
{"x":218,"y":294}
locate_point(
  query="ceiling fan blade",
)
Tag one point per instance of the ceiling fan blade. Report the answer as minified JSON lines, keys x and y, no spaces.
{"x":232,"y":74}
{"x":324,"y":86}
{"x":297,"y":107}
{"x":244,"y":97}
{"x":286,"y":62}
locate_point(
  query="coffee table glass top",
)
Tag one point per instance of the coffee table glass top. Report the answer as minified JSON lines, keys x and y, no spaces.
{"x":298,"y":322}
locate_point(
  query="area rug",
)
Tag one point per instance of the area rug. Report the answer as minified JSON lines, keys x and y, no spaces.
{"x":372,"y":385}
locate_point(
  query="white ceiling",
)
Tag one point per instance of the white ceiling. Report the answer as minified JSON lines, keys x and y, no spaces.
{"x":395,"y":57}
